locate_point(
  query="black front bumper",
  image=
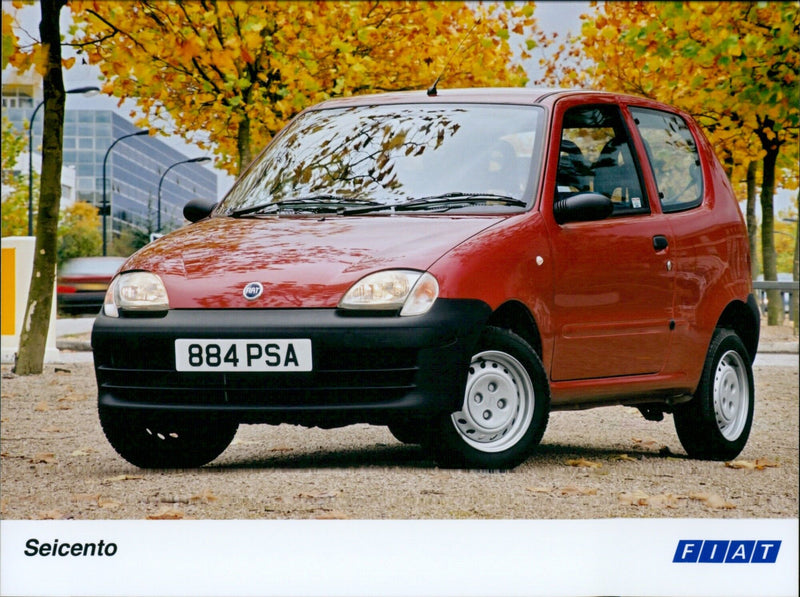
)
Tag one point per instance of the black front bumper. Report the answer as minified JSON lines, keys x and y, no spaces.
{"x":366,"y":368}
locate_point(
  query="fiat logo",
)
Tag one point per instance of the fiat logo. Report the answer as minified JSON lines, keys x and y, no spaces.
{"x":252,"y":291}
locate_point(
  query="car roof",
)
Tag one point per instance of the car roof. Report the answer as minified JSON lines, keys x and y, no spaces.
{"x":91,"y":265}
{"x":478,"y":95}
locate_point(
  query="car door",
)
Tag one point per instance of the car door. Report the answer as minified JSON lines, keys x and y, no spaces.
{"x":613,"y":281}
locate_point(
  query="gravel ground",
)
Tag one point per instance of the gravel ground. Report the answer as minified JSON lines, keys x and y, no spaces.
{"x":602,"y":463}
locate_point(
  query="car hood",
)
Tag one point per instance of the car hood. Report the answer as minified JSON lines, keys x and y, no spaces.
{"x":301,"y":262}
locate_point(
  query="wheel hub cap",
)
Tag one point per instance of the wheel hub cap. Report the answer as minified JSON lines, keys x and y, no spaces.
{"x":498,"y":402}
{"x":730,"y":395}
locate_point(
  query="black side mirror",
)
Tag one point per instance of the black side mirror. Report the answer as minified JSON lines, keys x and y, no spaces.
{"x":197,"y":209}
{"x":583,"y":207}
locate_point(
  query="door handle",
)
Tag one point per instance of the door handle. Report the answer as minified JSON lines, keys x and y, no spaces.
{"x":660,"y":242}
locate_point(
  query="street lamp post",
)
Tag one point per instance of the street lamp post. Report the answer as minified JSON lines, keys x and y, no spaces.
{"x":191,"y":161}
{"x":84,"y":90}
{"x":105,"y":207}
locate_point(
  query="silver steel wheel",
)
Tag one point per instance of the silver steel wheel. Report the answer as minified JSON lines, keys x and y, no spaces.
{"x":731,"y":395}
{"x":498,"y":404}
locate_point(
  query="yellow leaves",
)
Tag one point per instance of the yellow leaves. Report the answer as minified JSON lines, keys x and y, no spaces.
{"x":713,"y":500}
{"x":189,"y":48}
{"x":583,"y":463}
{"x":167,"y":513}
{"x":753,"y":465}
{"x":296,"y":52}
{"x":123,"y":478}
{"x":641,"y":499}
{"x":44,"y":458}
{"x":625,"y":458}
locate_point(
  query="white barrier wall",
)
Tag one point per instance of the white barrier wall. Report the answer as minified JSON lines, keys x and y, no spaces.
{"x":17,"y":266}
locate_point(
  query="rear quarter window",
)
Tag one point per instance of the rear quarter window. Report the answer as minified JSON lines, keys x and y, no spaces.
{"x":673,"y":156}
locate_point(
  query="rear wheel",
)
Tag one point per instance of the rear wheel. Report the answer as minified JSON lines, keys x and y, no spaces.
{"x":716,"y":423}
{"x":150,"y":440}
{"x":505,"y":408}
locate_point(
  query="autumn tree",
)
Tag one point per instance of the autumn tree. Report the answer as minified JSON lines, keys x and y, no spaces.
{"x":734,"y":67}
{"x":79,"y":232}
{"x":33,"y":337}
{"x":15,"y":198}
{"x":230,"y":74}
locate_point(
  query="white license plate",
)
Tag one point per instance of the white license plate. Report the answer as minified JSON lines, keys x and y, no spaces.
{"x":243,"y":355}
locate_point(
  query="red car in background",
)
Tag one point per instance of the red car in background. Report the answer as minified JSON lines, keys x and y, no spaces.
{"x":82,"y":282}
{"x":454,"y":266}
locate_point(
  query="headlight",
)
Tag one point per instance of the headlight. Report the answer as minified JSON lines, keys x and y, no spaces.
{"x":412,"y":292}
{"x":135,"y":291}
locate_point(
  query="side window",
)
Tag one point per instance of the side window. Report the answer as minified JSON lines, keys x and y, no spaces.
{"x":673,"y":156}
{"x":596,"y":155}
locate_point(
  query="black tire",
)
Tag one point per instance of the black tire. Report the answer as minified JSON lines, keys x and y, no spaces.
{"x":157,"y":440}
{"x":505,"y":409}
{"x":716,"y":423}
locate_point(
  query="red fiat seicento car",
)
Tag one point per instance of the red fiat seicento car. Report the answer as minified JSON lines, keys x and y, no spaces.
{"x":453,"y":266}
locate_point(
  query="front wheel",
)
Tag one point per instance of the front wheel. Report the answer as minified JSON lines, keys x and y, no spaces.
{"x":716,"y":423}
{"x":505,"y":408}
{"x":156,"y":440}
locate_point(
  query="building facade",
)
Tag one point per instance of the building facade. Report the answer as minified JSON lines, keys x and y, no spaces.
{"x":134,"y":169}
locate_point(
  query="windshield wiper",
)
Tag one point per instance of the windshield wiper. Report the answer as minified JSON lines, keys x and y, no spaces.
{"x":444,"y":201}
{"x":315,"y":204}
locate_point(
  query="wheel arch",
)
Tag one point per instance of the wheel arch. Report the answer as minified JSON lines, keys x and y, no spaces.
{"x":745,"y":320}
{"x":515,"y":316}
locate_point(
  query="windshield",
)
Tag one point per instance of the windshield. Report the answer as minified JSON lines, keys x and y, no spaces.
{"x":371,"y":158}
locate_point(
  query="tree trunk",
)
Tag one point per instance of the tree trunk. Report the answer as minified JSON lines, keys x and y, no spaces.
{"x":243,"y":143}
{"x":752,"y":219}
{"x":768,"y":255}
{"x":796,"y":269}
{"x":33,"y":338}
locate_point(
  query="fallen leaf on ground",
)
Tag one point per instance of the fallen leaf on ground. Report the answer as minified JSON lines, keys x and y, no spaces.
{"x":44,"y":458}
{"x":74,"y":398}
{"x":664,"y":500}
{"x":108,"y":503}
{"x":624,"y":457}
{"x":634,"y":498}
{"x":41,"y":407}
{"x":166,"y":514}
{"x":204,"y":496}
{"x":50,"y":515}
{"x":759,"y":465}
{"x":538,"y":489}
{"x":123,"y":478}
{"x":318,"y":496}
{"x":583,"y":463}
{"x":713,"y":500}
{"x":572,"y":490}
{"x":83,"y":451}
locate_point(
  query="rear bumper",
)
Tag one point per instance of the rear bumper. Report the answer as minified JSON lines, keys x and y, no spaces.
{"x":84,"y":301}
{"x":367,"y":368}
